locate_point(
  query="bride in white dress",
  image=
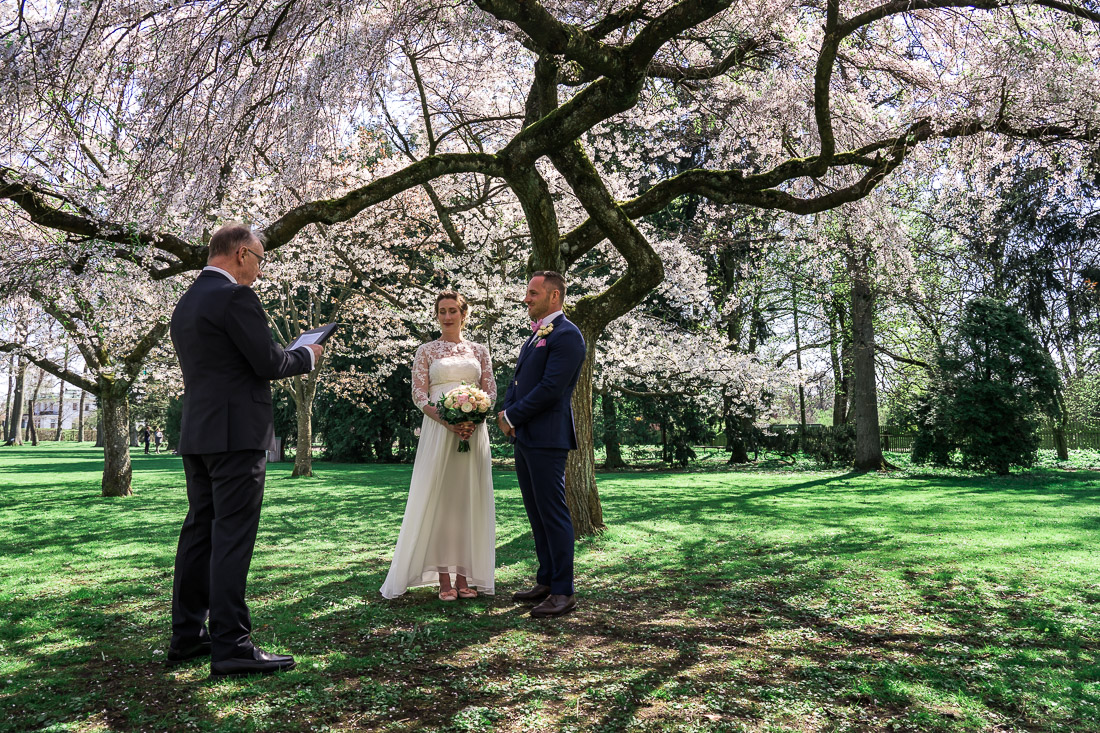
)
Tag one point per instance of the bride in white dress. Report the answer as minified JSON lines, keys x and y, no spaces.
{"x":450,"y":518}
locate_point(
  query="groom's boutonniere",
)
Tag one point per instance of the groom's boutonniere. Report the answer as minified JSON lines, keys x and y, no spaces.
{"x":542,"y":333}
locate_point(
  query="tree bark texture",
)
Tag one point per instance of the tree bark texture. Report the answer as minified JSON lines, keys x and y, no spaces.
{"x":868,"y":454}
{"x":580,"y":469}
{"x":114,"y":411}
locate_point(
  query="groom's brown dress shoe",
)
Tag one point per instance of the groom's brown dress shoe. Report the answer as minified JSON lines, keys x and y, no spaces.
{"x":191,"y":651}
{"x":554,"y":605}
{"x":537,"y":593}
{"x":260,"y":662}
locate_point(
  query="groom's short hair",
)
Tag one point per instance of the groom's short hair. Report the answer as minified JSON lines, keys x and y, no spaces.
{"x":553,"y":280}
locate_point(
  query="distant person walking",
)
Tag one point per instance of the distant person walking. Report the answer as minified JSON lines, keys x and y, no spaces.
{"x":145,"y":437}
{"x":158,"y":438}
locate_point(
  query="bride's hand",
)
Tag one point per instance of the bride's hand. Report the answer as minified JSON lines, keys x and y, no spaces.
{"x":464,"y":430}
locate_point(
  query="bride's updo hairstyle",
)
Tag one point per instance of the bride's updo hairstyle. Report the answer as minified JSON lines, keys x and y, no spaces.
{"x":463,"y":306}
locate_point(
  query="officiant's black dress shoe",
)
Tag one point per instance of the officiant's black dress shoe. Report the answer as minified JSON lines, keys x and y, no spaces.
{"x":259,"y":663}
{"x":191,"y":651}
{"x":554,"y":605}
{"x":537,"y":593}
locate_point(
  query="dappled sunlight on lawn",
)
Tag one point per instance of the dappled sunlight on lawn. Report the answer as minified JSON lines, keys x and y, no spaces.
{"x":713,"y":601}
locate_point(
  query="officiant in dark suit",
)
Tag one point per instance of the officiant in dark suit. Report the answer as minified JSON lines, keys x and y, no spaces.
{"x":228,"y":357}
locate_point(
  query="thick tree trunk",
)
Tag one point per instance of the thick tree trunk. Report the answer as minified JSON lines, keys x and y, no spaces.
{"x":15,"y":427}
{"x":868,"y":453}
{"x":580,"y":469}
{"x":305,"y":388}
{"x":114,"y":411}
{"x":614,"y":454}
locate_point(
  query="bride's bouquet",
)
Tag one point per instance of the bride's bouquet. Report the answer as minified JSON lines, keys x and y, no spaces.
{"x":465,"y":403}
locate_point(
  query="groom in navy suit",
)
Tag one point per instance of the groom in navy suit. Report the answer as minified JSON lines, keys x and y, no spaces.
{"x":538,"y":418}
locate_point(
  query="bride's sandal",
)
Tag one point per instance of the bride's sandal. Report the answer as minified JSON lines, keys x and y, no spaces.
{"x":448,"y":595}
{"x":467,"y":593}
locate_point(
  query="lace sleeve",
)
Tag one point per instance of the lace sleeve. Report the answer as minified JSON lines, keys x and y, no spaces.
{"x":488,"y":381}
{"x":420,"y":376}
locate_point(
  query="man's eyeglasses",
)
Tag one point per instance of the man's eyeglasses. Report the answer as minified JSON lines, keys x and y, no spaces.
{"x":258,"y":256}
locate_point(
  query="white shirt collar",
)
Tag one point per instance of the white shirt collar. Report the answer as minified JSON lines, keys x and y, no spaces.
{"x":550,"y":318}
{"x":218,"y":269}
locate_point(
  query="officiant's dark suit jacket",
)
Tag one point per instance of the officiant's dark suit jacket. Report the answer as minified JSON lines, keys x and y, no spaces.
{"x":228,"y":358}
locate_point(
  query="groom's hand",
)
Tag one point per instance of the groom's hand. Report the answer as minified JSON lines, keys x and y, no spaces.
{"x":505,"y":428}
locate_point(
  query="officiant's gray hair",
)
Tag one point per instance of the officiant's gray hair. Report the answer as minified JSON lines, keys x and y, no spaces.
{"x":229,"y":238}
{"x":553,"y":280}
{"x":463,"y":306}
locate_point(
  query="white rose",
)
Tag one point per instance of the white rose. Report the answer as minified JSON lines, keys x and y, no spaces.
{"x":467,"y":407}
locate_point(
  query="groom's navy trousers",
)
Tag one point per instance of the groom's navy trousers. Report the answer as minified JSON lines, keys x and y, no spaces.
{"x":541,"y":474}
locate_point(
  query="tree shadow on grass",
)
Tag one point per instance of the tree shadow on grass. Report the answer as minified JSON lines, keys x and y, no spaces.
{"x":731,"y":628}
{"x":82,"y":661}
{"x":607,"y":661}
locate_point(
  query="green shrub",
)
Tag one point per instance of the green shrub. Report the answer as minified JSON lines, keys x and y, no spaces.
{"x":995,"y":382}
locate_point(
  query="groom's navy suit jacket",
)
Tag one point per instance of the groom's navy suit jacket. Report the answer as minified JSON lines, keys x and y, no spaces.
{"x":538,"y":401}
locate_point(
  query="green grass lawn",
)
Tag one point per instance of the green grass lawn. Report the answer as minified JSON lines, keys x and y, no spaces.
{"x":719,"y":600}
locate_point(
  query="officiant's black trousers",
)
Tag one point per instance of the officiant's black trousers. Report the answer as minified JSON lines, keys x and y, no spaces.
{"x":224,"y":494}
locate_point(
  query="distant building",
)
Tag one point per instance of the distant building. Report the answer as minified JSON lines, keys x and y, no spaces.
{"x":45,"y":410}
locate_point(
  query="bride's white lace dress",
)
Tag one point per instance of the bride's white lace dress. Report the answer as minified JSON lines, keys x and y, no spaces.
{"x":450,"y":517}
